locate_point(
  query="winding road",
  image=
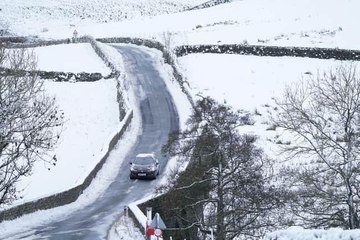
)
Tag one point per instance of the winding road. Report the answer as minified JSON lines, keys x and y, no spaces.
{"x":159,"y":117}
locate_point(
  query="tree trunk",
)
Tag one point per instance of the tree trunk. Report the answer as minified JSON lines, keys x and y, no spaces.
{"x":220,"y":232}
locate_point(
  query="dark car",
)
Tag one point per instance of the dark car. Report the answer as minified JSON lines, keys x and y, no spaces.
{"x":145,"y":165}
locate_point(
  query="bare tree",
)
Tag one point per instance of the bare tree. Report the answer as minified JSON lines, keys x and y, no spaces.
{"x":322,"y":114}
{"x":30,"y":122}
{"x":224,"y":189}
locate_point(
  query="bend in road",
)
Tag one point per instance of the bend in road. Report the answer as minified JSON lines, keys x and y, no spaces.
{"x":159,"y":118}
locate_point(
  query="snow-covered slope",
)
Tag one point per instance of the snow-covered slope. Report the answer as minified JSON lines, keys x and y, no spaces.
{"x":320,"y":23}
{"x":298,"y":233}
{"x":40,"y":15}
{"x":91,"y":120}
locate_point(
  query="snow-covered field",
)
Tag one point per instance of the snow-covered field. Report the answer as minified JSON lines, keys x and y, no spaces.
{"x":37,"y":17}
{"x":321,"y":23}
{"x":250,"y":83}
{"x":245,"y":82}
{"x":298,"y":233}
{"x":91,"y":120}
{"x":70,"y":58}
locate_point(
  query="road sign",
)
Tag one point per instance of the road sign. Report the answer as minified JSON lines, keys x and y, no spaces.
{"x":157,"y":222}
{"x":158,"y":232}
{"x":149,"y":231}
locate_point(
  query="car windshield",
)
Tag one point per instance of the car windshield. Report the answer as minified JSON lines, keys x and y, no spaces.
{"x":144,"y":160}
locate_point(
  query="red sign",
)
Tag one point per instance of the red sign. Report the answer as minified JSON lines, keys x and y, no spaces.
{"x":157,"y":232}
{"x":149,"y":231}
{"x":156,"y":227}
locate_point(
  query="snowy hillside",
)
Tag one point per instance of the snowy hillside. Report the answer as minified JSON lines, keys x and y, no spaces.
{"x":245,"y":82}
{"x":298,"y":233}
{"x":321,"y":23}
{"x":35,"y":15}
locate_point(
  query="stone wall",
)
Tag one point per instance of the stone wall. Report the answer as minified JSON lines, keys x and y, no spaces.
{"x":56,"y":76}
{"x":7,"y":40}
{"x":208,"y":4}
{"x":273,"y":51}
{"x":21,"y":42}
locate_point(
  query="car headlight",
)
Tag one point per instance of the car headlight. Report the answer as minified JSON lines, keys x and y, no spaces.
{"x":152,"y":168}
